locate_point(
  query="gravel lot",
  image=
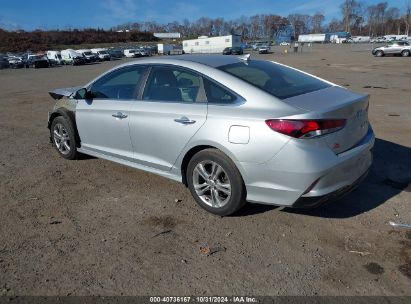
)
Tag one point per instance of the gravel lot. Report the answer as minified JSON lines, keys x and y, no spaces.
{"x":92,"y":227}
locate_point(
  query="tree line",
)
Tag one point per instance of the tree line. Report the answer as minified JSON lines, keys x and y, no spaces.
{"x":357,"y":17}
{"x":21,"y":41}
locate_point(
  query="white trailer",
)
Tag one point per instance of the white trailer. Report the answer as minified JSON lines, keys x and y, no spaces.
{"x":314,"y":38}
{"x":205,"y":44}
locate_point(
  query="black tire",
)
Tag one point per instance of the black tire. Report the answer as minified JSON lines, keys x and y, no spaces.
{"x":236,"y":200}
{"x":379,"y":53}
{"x":405,"y":53}
{"x":70,"y":137}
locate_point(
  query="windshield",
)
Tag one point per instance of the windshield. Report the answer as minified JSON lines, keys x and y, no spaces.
{"x":88,"y":53}
{"x":102,"y":52}
{"x":279,"y":81}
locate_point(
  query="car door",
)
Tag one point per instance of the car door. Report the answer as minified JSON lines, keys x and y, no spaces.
{"x":170,"y":111}
{"x":103,"y":121}
{"x":392,"y":49}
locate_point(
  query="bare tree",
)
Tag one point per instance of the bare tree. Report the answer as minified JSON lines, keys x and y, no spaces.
{"x":316,"y":22}
{"x":300,"y":23}
{"x":381,"y":11}
{"x":407,"y":17}
{"x":335,"y":25}
{"x":347,"y":8}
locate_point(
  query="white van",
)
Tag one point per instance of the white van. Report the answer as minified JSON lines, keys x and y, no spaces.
{"x":70,"y":56}
{"x":131,"y":53}
{"x":102,"y":54}
{"x":54,"y":57}
{"x":88,"y":55}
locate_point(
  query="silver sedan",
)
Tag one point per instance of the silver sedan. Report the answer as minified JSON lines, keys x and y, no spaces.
{"x":232,"y":129}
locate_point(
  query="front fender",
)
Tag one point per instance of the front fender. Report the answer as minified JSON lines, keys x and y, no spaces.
{"x":71,"y":118}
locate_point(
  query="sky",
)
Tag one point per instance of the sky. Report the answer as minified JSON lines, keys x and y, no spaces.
{"x":62,"y":14}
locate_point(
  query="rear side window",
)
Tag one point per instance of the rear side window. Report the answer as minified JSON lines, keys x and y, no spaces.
{"x":120,"y":84}
{"x":217,"y":94}
{"x":280,"y":81}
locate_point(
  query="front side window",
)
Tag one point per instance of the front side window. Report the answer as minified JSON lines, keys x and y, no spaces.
{"x":172,"y":84}
{"x":277,"y":80}
{"x":120,"y":84}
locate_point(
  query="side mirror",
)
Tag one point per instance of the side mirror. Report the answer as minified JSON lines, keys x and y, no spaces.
{"x":84,"y":94}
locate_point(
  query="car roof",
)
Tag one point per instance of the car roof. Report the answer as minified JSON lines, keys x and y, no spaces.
{"x":210,"y":60}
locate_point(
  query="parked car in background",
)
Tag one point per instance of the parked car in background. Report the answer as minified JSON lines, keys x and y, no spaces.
{"x":89,"y":57}
{"x":54,"y":57}
{"x":15,"y":62}
{"x":131,"y":53}
{"x":284,"y":43}
{"x":115,"y":53}
{"x":101,"y":53}
{"x":227,"y":51}
{"x":144,"y":52}
{"x":4,"y":63}
{"x":264,"y":49}
{"x":232,"y":129}
{"x":402,"y":48}
{"x":378,"y":40}
{"x":256,"y":46}
{"x":153,"y":49}
{"x":36,"y":61}
{"x":70,"y":56}
{"x":233,"y":51}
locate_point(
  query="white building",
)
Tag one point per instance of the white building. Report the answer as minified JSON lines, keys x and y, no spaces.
{"x":205,"y":44}
{"x":167,"y":35}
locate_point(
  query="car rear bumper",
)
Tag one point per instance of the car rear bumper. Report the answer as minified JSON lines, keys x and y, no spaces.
{"x":304,"y":174}
{"x":315,"y":201}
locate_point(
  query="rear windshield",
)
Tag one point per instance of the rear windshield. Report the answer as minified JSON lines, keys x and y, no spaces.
{"x":278,"y":80}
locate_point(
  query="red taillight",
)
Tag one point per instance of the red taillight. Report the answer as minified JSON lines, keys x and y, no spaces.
{"x":305,"y":128}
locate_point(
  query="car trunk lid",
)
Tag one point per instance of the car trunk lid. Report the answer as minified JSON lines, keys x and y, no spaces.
{"x":337,"y":103}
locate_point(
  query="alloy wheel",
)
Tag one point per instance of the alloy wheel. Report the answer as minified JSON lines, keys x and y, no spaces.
{"x":211,"y":184}
{"x":61,"y":139}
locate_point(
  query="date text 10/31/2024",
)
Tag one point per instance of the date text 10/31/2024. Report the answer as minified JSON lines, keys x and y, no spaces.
{"x":203,"y":299}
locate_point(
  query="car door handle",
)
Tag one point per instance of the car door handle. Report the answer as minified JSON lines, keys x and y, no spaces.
{"x":184,"y":120}
{"x":119,"y":115}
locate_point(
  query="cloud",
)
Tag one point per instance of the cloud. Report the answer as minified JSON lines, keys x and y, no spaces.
{"x":171,"y":11}
{"x":328,"y":7}
{"x":8,"y":24}
{"x":121,"y":9}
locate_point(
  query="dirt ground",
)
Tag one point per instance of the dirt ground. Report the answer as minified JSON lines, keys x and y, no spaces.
{"x":92,"y":227}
